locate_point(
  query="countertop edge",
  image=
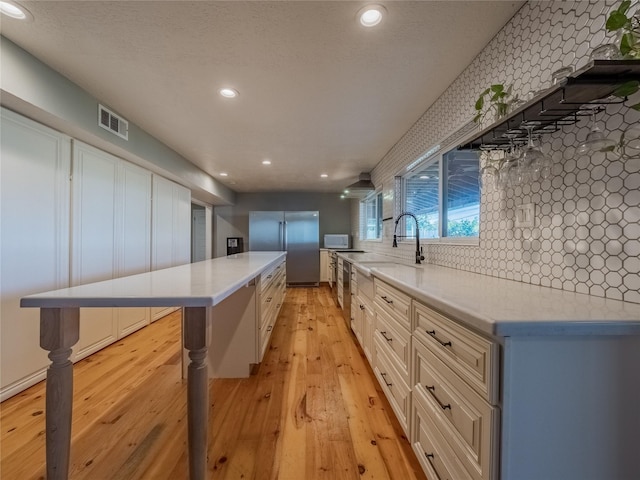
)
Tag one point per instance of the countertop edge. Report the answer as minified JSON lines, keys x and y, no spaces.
{"x":47,"y":300}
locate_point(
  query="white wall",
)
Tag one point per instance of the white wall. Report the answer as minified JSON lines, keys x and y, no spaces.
{"x":31,"y":88}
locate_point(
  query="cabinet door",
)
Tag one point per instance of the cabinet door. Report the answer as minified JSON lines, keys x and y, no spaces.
{"x":324,"y":265}
{"x":368,"y":323}
{"x":34,"y":240}
{"x":171,"y":231}
{"x":93,"y":258}
{"x":134,"y":237}
{"x":162,"y":212}
{"x":171,"y":237}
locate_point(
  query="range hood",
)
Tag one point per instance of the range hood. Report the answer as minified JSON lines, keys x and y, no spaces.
{"x":361,"y":188}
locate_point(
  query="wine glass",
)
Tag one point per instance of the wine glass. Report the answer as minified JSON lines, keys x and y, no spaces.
{"x":493,"y":157}
{"x":532,"y":158}
{"x":596,"y":140}
{"x":509,"y":173}
{"x":630,"y":142}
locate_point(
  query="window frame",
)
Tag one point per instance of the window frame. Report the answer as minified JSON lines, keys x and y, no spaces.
{"x":378,"y":198}
{"x":435,"y":154}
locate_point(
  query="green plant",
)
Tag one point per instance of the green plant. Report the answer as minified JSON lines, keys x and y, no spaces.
{"x":629,"y":27}
{"x":498,"y":98}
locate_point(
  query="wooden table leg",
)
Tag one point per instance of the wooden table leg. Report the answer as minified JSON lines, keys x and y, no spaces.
{"x":195,"y":341}
{"x":59,"y":331}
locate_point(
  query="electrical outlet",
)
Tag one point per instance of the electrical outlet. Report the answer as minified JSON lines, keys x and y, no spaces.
{"x":526,"y":215}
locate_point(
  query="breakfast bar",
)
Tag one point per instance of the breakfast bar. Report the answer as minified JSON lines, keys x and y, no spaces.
{"x":197,"y":288}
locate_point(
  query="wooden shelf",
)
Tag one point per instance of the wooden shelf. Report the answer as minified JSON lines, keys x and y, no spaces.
{"x":562,"y":104}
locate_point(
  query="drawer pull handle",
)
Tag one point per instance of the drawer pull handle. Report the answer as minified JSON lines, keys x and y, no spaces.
{"x":386,"y":299}
{"x":433,"y":334}
{"x":432,"y":390}
{"x":269,"y":328}
{"x":269,"y":276}
{"x":361,"y":307}
{"x":384,"y":334}
{"x":430,"y":457}
{"x":384,"y":377}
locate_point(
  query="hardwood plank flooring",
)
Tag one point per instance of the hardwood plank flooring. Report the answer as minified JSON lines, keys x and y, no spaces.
{"x":312,"y":411}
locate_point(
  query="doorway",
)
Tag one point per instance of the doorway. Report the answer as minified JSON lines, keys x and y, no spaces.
{"x":199,"y":238}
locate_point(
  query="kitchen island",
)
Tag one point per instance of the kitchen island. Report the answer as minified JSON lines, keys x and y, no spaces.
{"x":497,"y":379}
{"x":197,"y":287}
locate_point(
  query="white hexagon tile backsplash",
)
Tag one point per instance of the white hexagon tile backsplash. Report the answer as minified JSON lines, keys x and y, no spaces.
{"x":586,"y":236}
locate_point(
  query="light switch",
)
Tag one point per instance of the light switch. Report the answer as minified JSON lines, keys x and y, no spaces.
{"x":526,"y":215}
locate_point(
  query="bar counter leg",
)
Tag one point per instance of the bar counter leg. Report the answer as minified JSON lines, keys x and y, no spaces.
{"x":59,"y":331}
{"x":195,"y":341}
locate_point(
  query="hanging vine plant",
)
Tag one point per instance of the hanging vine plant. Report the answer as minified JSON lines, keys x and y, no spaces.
{"x":497,"y":99}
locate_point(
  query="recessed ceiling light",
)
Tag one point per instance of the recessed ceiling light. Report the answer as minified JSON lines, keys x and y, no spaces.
{"x":324,"y":175}
{"x":14,"y":10}
{"x":224,"y":174}
{"x":266,"y":162}
{"x":371,"y":15}
{"x":228,"y":92}
{"x":424,"y":177}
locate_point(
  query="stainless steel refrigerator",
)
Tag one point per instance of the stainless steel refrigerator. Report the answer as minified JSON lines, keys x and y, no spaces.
{"x":297,"y":233}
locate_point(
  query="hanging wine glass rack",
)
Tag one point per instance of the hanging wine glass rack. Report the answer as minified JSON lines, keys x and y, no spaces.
{"x":561,"y":104}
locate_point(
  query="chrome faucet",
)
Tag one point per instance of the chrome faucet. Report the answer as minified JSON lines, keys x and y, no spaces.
{"x":419,"y":255}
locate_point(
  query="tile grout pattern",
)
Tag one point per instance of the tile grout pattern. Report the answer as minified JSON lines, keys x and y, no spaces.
{"x":587,"y":228}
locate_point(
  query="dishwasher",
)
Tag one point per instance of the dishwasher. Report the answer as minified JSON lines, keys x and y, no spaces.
{"x":346,"y":292}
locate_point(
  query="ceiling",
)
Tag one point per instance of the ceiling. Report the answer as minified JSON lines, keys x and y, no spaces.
{"x":318,"y":92}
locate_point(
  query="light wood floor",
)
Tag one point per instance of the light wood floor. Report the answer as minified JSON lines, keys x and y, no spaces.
{"x":312,"y":411}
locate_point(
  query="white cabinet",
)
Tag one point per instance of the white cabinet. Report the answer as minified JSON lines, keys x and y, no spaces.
{"x":134,"y":239}
{"x":339,"y":282}
{"x":467,"y":422}
{"x":324,"y":265}
{"x":111,"y":238}
{"x":272,"y":291}
{"x":455,"y":389}
{"x":392,"y":347}
{"x":73,"y":214}
{"x":244,"y":323}
{"x":93,"y":255}
{"x":34,"y":240}
{"x":558,"y":404}
{"x":171,"y":233}
{"x":366,"y":323}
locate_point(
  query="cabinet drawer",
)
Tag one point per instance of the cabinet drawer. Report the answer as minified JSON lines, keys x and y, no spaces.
{"x":394,"y":302}
{"x":434,"y":453}
{"x":395,"y":389}
{"x":396,"y":341}
{"x":473,"y":423}
{"x":266,"y":279}
{"x":474,"y":358}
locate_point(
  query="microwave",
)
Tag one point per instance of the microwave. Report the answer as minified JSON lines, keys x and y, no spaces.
{"x":335,"y":240}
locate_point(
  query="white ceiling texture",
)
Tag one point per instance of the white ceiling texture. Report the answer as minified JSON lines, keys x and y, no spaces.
{"x":319,"y":93}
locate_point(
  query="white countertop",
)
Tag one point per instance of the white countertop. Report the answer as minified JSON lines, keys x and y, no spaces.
{"x":201,"y":284}
{"x":503,"y":307}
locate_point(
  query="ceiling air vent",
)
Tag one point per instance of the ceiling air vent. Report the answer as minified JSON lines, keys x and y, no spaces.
{"x":112,"y":122}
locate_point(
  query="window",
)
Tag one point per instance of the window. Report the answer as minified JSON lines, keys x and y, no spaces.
{"x":444,"y":194}
{"x":371,"y":217}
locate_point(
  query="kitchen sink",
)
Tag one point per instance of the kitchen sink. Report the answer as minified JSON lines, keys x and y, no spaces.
{"x":365,"y":267}
{"x":374,"y":264}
